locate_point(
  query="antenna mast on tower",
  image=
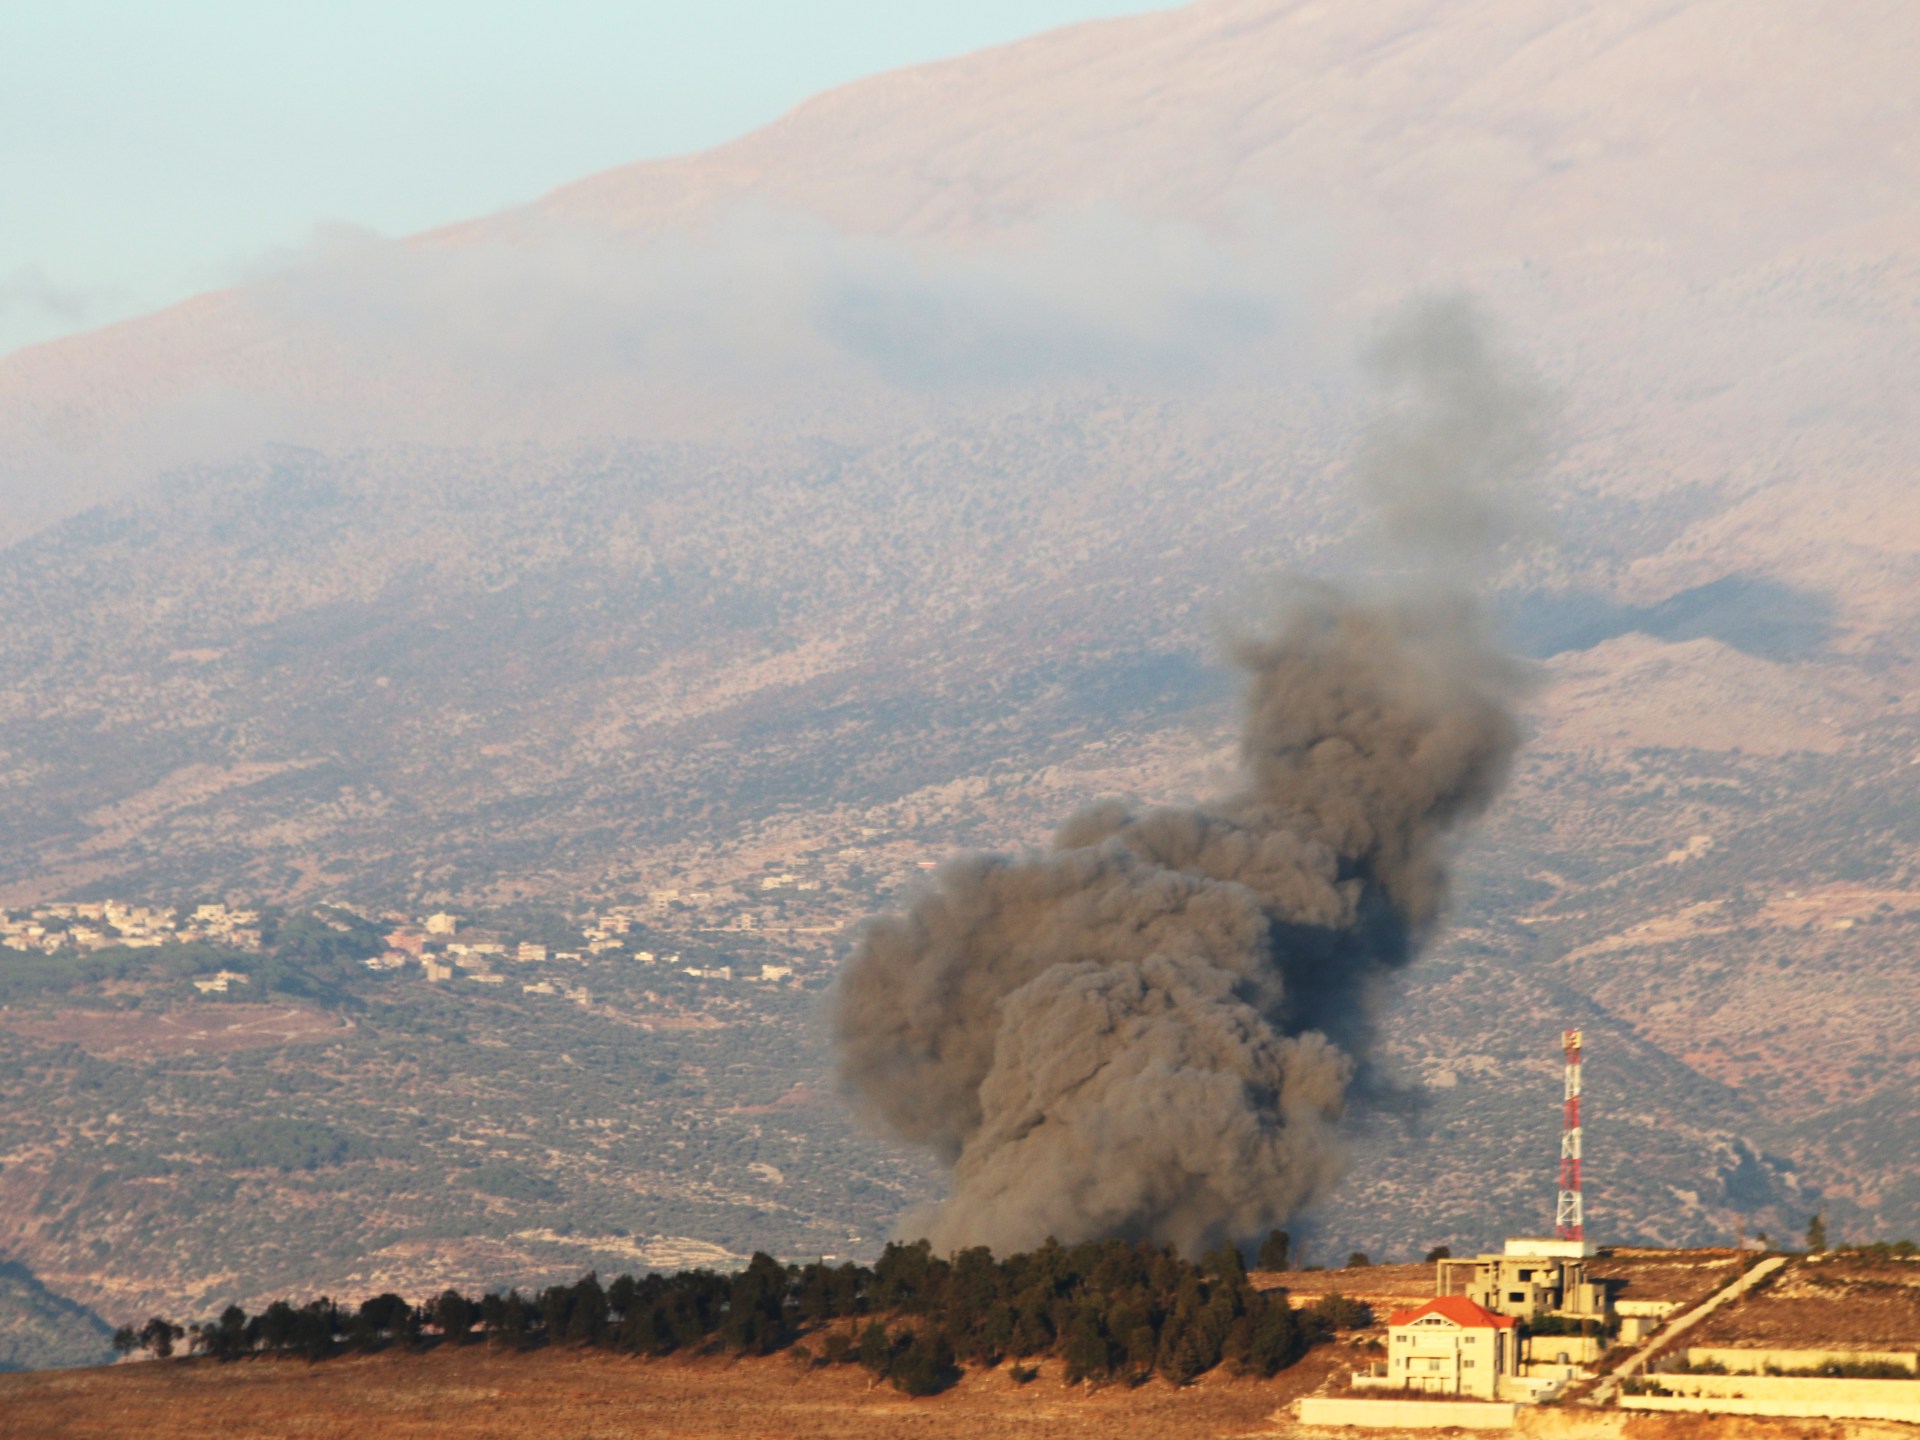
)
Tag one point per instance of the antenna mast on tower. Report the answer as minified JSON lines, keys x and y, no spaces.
{"x":1568,"y":1222}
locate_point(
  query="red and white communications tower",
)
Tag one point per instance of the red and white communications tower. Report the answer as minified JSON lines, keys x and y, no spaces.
{"x":1568,"y":1221}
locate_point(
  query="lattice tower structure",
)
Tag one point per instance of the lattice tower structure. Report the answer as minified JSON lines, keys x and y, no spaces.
{"x":1568,"y":1219}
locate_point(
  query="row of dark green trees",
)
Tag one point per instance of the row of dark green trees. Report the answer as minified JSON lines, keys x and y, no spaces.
{"x":1109,"y":1310}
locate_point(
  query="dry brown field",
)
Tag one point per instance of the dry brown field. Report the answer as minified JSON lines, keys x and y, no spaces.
{"x":481,"y":1394}
{"x":476,"y":1393}
{"x":1839,"y":1302}
{"x":1384,"y":1287}
{"x":1682,"y":1276}
{"x":203,"y":1029}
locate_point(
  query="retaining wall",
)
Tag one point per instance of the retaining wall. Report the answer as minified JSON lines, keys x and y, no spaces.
{"x":1407,"y":1414}
{"x":1743,"y":1361}
{"x":1809,"y":1397}
{"x":1579,"y":1349}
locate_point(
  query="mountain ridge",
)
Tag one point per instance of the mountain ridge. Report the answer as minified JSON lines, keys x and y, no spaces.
{"x":548,"y":561}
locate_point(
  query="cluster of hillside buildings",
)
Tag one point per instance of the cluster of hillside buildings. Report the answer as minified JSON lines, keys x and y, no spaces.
{"x":1520,"y":1327}
{"x":84,"y":926}
{"x":1517,"y":1325}
{"x":795,"y":916}
{"x":447,"y":949}
{"x":442,"y":946}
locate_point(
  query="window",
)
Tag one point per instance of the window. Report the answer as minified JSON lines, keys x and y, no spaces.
{"x":1517,"y":1297}
{"x":1433,"y":1364}
{"x":1466,"y":1364}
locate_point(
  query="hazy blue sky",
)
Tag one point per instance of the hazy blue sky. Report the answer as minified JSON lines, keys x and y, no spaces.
{"x":150,"y":149}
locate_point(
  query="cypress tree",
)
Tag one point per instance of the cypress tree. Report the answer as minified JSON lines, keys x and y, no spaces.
{"x":876,"y":1350}
{"x":1276,"y":1250}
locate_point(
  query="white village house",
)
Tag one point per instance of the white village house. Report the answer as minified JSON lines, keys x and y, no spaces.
{"x":1448,"y":1346}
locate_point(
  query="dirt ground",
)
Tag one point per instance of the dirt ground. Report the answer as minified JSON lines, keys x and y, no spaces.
{"x":1677,"y":1275}
{"x":1682,"y":1276}
{"x":1836,"y":1302}
{"x":478,"y":1394}
{"x":474,"y":1393}
{"x":1384,"y":1287}
{"x":212,"y":1028}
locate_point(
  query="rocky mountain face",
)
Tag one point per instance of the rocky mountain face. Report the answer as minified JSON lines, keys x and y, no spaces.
{"x":876,"y":485}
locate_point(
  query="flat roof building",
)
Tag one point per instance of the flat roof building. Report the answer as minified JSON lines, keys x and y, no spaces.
{"x":1528,"y":1278}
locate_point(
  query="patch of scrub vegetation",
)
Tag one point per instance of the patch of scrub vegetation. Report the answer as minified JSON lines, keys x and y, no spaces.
{"x":509,"y":1182}
{"x":286,"y":1145}
{"x":40,"y":1330}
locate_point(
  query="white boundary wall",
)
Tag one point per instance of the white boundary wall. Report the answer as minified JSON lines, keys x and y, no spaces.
{"x":1804,"y":1397}
{"x":1743,"y":1361}
{"x":1407,"y":1414}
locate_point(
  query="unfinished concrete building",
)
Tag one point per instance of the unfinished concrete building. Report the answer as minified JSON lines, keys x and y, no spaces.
{"x":1531,"y":1278}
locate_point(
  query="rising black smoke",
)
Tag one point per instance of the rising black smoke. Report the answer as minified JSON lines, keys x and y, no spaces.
{"x":1149,"y":1029}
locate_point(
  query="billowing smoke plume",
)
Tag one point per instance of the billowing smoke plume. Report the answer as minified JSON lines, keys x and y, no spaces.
{"x":1149,"y":1029}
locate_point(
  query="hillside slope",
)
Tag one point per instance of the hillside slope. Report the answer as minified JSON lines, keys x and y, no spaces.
{"x":874,"y":485}
{"x":1699,"y":215}
{"x":40,"y":1330}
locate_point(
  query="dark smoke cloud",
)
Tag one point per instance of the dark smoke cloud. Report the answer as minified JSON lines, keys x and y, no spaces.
{"x":1150,"y":1029}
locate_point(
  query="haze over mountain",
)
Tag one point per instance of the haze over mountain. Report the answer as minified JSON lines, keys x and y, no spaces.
{"x":1700,"y":211}
{"x":871,"y":485}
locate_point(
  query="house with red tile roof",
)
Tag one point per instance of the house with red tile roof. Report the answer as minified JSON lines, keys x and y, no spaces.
{"x":1448,"y":1346}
